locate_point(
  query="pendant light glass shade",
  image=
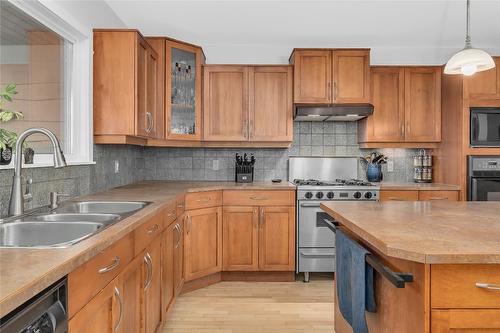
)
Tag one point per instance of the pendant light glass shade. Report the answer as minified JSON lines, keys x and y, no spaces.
{"x":469,"y":60}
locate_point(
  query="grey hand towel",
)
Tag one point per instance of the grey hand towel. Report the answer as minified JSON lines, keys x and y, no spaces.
{"x":354,"y":281}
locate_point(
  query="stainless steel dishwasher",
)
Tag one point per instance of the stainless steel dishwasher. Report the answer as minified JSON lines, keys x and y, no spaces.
{"x":44,"y":313}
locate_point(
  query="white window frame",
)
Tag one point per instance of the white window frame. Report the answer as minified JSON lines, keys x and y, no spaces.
{"x":79,"y":101}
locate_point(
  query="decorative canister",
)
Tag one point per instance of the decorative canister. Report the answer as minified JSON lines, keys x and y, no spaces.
{"x":374,"y":172}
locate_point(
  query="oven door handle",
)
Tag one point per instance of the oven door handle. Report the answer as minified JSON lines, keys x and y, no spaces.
{"x":309,"y":204}
{"x":328,"y":254}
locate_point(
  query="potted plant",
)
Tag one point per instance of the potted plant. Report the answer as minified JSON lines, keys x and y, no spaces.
{"x":7,"y":138}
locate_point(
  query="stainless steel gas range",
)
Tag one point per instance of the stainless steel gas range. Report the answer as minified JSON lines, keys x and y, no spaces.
{"x":320,"y":179}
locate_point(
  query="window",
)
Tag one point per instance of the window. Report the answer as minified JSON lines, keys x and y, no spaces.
{"x":47,"y":61}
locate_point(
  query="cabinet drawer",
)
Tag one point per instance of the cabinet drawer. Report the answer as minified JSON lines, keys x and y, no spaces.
{"x":259,"y":198}
{"x":170,"y":213}
{"x":181,"y":205}
{"x":203,"y":199}
{"x":90,"y":278}
{"x":465,"y":286}
{"x":148,"y":231}
{"x":398,"y":195}
{"x":438,"y":195}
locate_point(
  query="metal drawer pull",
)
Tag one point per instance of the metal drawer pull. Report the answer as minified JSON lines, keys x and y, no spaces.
{"x":120,"y":301}
{"x":438,"y":198}
{"x":259,"y":198}
{"x":178,"y":229}
{"x":330,"y":254}
{"x":189,"y":222}
{"x":116,"y":263}
{"x":204,"y":200}
{"x":489,"y":286}
{"x":152,"y":229}
{"x":396,"y":199}
{"x":149,"y":264}
{"x":309,"y":205}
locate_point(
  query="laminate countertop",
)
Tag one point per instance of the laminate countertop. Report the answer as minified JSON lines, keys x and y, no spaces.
{"x":26,"y":272}
{"x":390,"y":186}
{"x":430,"y":232}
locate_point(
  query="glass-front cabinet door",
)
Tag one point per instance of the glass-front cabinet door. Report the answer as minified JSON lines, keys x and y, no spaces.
{"x":183,"y":91}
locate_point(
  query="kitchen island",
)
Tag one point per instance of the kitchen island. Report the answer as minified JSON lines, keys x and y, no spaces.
{"x":452,"y":249}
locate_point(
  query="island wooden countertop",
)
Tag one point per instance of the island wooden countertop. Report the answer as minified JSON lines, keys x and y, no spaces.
{"x":26,"y":272}
{"x":430,"y":232}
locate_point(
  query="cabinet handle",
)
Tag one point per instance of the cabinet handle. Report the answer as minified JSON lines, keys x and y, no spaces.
{"x":259,"y":198}
{"x":438,"y":198}
{"x":120,"y":301}
{"x":188,"y":227}
{"x":180,"y":206}
{"x":396,"y":199}
{"x":149,"y":264}
{"x":261,"y":217}
{"x":203,"y":199}
{"x":171,"y":214}
{"x":178,"y":231}
{"x":488,"y":286}
{"x":256,"y":220}
{"x":245,"y":129}
{"x":335,"y":91}
{"x":116,"y":263}
{"x":329,"y":88}
{"x":250,"y":129}
{"x":152,"y":229}
{"x":149,"y":120}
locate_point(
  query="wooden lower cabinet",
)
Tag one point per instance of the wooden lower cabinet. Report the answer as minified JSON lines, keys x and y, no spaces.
{"x":392,"y":195}
{"x":240,"y":238}
{"x":202,"y":242}
{"x":438,"y":195}
{"x":167,"y":270}
{"x":152,"y":287}
{"x":465,"y":321}
{"x":277,"y":238}
{"x":101,"y":314}
{"x":178,"y":256}
{"x":398,"y":195}
{"x":131,"y":280}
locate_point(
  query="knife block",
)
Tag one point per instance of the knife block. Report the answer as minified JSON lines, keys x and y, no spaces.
{"x":244,"y":174}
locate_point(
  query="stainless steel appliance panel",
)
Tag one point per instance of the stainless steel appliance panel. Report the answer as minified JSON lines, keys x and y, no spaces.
{"x":322,"y":168}
{"x":316,"y":259}
{"x":312,"y":233}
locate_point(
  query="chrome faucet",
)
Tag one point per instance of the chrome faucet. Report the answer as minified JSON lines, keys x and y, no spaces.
{"x":16,"y":206}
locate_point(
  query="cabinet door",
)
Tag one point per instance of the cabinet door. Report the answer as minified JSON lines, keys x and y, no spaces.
{"x":312,"y":76}
{"x":423,"y":104}
{"x":179,"y":256}
{"x":270,"y":103}
{"x":277,"y":238}
{"x":152,"y":287}
{"x":387,"y":122}
{"x":104,"y":313}
{"x":484,"y":84}
{"x":225,"y":99}
{"x":131,"y":282}
{"x":351,"y":76}
{"x":465,"y":321}
{"x":182,"y":91}
{"x":390,"y":195}
{"x":151,"y":92}
{"x":158,"y":45}
{"x":202,"y":242}
{"x":141,"y":87}
{"x":240,"y":239}
{"x":167,"y":267}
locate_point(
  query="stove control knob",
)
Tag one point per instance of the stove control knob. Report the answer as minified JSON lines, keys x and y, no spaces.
{"x":319,"y":195}
{"x":357,"y":195}
{"x":329,"y":195}
{"x":308,"y":195}
{"x":368,"y":195}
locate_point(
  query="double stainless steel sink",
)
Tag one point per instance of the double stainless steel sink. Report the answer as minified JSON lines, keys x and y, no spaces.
{"x":66,"y":225}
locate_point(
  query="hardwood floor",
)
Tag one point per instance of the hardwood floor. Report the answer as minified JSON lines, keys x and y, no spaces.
{"x":255,"y":307}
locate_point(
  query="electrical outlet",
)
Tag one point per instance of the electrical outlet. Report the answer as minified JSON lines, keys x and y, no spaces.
{"x":390,"y":166}
{"x":117,"y":166}
{"x":215,"y":165}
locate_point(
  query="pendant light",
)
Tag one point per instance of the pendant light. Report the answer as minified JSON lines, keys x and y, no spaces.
{"x":469,"y":60}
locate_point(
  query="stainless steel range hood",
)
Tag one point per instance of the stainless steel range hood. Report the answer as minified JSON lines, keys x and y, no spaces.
{"x":332,"y":112}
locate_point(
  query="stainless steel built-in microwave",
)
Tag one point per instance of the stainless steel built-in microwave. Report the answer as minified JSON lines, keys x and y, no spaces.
{"x":485,"y":127}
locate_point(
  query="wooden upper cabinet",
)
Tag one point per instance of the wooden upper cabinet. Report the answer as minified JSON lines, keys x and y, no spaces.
{"x":312,"y":76}
{"x":387,"y":122}
{"x":158,"y":45}
{"x":484,"y":84}
{"x":183,"y":87}
{"x":270,"y":103}
{"x":125,"y":86}
{"x":423,"y":104}
{"x":323,"y":76}
{"x":240,"y":238}
{"x":351,"y":76}
{"x":225,"y":114}
{"x":277,"y":238}
{"x":202,"y":242}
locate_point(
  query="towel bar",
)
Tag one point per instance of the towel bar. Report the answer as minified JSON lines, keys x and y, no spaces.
{"x":397,"y":279}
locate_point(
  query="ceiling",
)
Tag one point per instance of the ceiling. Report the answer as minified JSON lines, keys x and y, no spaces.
{"x":397,"y":31}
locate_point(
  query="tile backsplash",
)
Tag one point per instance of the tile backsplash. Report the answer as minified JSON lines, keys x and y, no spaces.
{"x":327,"y":139}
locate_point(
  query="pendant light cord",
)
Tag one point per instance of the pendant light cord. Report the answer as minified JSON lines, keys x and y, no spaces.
{"x":467,"y":29}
